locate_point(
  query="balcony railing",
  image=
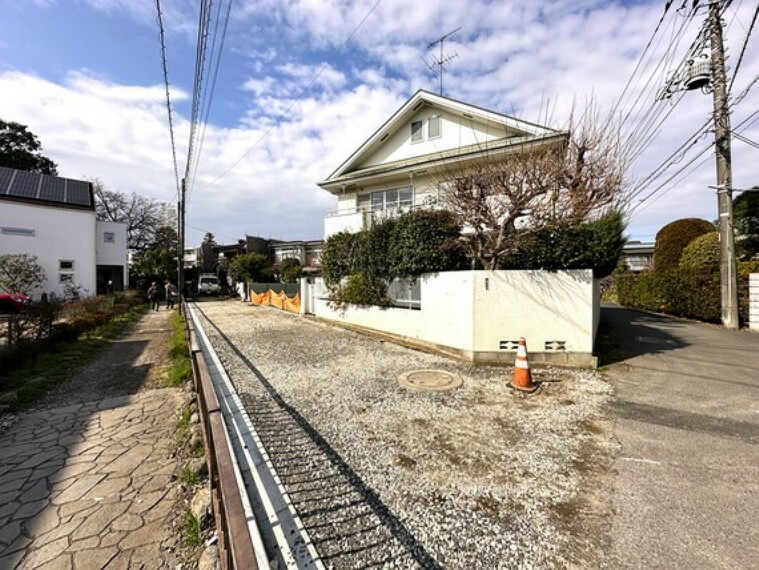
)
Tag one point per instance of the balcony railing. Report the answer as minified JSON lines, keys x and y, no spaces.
{"x":379,"y":213}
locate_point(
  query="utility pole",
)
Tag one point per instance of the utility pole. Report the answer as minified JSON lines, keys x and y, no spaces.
{"x":706,"y":71}
{"x":728,"y":272}
{"x":180,"y":236}
{"x":442,"y":60}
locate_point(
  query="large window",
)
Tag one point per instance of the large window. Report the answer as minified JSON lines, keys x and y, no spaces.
{"x":390,"y":199}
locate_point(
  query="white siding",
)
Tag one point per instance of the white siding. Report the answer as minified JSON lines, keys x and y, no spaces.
{"x":457,"y":131}
{"x":59,"y":234}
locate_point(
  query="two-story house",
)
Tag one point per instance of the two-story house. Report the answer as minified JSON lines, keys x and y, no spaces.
{"x":54,"y":219}
{"x":428,"y":141}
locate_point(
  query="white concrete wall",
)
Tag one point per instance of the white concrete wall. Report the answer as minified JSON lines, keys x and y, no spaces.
{"x":541,"y":306}
{"x":444,"y":319}
{"x":753,"y":301}
{"x":59,"y":234}
{"x":472,"y":311}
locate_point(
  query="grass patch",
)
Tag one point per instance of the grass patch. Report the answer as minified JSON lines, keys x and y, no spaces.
{"x":189,"y":476}
{"x":60,"y":361}
{"x":179,"y":354}
{"x":190,"y":531}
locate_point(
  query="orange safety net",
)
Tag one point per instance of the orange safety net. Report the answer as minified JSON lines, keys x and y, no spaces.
{"x":278,"y":300}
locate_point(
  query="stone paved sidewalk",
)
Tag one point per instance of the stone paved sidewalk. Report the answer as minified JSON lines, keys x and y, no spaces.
{"x":88,"y":485}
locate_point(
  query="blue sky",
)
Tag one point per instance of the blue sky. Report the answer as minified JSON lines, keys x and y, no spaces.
{"x":85,"y":76}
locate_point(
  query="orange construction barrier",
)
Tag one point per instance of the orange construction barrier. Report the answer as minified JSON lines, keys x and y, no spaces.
{"x":522,"y":376}
{"x":278,"y":300}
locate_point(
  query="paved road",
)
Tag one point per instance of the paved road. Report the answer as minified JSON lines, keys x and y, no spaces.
{"x":86,"y":479}
{"x":686,"y":490}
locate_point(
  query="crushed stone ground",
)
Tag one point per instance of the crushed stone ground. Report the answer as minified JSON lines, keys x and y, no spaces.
{"x":381,"y":475}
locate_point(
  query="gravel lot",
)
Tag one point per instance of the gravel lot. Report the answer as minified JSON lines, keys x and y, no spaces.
{"x":479,"y":477}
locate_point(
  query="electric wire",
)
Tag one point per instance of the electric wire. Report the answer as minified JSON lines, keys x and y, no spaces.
{"x":690,"y":167}
{"x":200,"y":54}
{"x":168,"y":98}
{"x":743,"y":49}
{"x":302,"y":93}
{"x":212,"y":90}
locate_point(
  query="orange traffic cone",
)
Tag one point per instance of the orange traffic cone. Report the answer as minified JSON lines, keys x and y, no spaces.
{"x":522,"y":375}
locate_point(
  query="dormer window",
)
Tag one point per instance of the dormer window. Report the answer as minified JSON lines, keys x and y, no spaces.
{"x":434,"y":127}
{"x":416,"y":131}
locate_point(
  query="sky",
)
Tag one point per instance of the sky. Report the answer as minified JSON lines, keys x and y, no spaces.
{"x":302,"y":83}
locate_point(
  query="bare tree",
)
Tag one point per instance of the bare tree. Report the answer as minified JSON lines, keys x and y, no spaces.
{"x":502,"y":202}
{"x":143,"y":216}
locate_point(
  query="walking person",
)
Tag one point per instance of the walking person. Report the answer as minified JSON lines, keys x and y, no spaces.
{"x":153,"y":296}
{"x":171,"y":295}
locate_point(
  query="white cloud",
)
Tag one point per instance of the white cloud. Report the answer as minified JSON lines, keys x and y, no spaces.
{"x":529,"y":59}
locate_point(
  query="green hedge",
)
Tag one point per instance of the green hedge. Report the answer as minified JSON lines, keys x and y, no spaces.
{"x":594,"y":245}
{"x":420,"y":241}
{"x":703,"y":250}
{"x":690,"y":292}
{"x":673,"y":238}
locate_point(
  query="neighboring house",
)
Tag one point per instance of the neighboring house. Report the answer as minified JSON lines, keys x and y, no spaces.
{"x":54,"y":219}
{"x":308,"y":253}
{"x":637,"y":255}
{"x":429,"y":141}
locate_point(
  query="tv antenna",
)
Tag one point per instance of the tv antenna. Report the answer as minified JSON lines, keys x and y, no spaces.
{"x":437,"y":64}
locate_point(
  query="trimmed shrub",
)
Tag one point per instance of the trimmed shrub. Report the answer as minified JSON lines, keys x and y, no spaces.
{"x":673,"y":238}
{"x":424,"y":241}
{"x":417,"y":242}
{"x":690,"y":292}
{"x":594,"y":245}
{"x":361,"y":289}
{"x":340,"y":257}
{"x":704,"y":250}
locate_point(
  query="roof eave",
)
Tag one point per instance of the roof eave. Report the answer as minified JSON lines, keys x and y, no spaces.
{"x":336,"y":185}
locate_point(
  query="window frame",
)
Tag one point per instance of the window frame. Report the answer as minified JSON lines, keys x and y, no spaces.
{"x":439,"y":127}
{"x":420,"y":132}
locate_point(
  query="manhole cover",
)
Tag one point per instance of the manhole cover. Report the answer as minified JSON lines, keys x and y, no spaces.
{"x":430,"y":380}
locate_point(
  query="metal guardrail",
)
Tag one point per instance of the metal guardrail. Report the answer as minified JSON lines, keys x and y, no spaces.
{"x":235,"y":546}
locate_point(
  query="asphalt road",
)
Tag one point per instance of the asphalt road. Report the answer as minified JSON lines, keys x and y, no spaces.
{"x":686,"y":478}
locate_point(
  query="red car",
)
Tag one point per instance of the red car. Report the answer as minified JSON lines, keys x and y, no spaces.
{"x":12,"y":302}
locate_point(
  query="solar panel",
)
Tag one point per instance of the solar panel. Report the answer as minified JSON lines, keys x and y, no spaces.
{"x":5,"y":177}
{"x":52,"y":188}
{"x":25,"y":184}
{"x":78,"y":193}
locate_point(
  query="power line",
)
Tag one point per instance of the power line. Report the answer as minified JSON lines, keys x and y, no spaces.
{"x":168,"y":99}
{"x":213,"y":87}
{"x":743,"y":49}
{"x":200,"y":56}
{"x":691,"y":166}
{"x":293,"y":102}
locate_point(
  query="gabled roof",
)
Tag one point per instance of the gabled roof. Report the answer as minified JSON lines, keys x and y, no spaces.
{"x":43,"y":189}
{"x":523,"y":130}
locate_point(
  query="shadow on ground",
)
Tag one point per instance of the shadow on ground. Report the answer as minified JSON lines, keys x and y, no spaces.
{"x":641,"y":335}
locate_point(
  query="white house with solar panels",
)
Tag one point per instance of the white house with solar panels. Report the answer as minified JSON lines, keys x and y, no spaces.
{"x":54,"y":219}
